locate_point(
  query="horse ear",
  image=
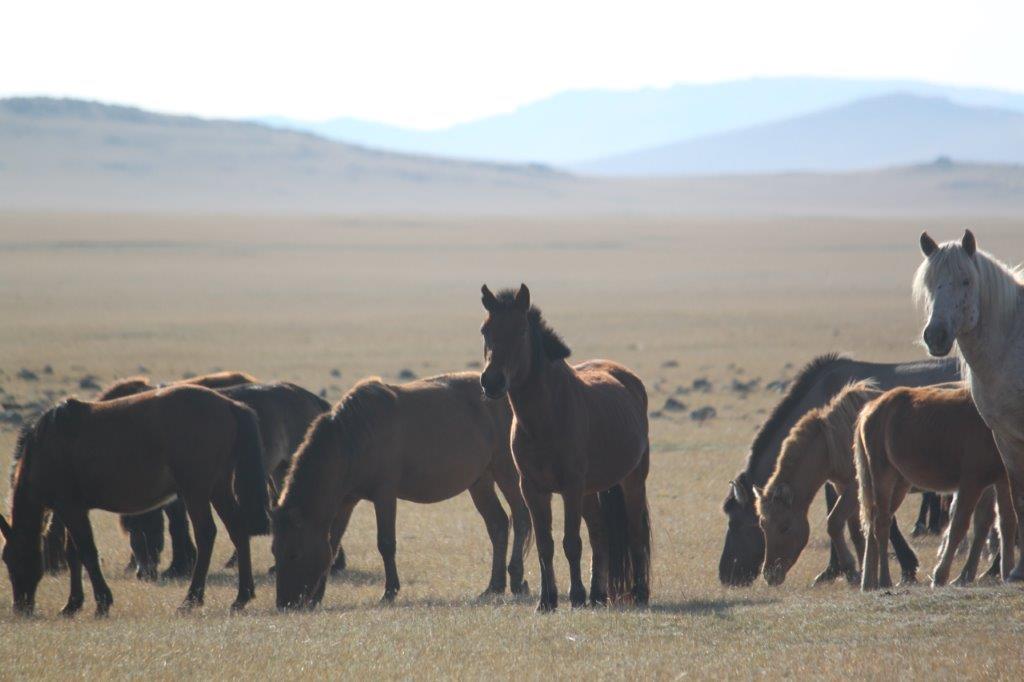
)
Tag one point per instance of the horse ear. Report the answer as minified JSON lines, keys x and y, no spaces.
{"x":758,"y":492}
{"x":968,"y":243}
{"x":523,"y":298}
{"x":928,"y":245}
{"x":489,"y":301}
{"x":5,"y":529}
{"x":739,"y":493}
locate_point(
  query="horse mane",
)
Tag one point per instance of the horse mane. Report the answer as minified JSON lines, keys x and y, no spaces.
{"x":802,"y":383}
{"x":835,"y":420}
{"x":551,"y":343}
{"x":351,"y":421}
{"x":998,"y":284}
{"x":123,"y":388}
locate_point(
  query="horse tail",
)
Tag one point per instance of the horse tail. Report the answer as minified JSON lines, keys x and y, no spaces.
{"x":250,"y":473}
{"x":862,"y":459}
{"x":626,"y":572}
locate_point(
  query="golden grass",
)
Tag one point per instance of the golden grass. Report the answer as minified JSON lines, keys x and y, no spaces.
{"x":292,"y":300}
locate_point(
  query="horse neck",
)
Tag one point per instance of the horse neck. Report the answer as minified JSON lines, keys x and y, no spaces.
{"x":534,"y":402}
{"x":984,"y":348}
{"x":325,"y":481}
{"x":805,"y":472}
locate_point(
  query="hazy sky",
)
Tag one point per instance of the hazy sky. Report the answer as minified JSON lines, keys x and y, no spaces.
{"x":436,"y":62}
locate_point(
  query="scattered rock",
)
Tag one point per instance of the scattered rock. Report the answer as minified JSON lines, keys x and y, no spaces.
{"x":683,"y":390}
{"x":407,"y":374}
{"x":88,"y":382}
{"x":188,"y":375}
{"x":11,"y":417}
{"x":26,"y":374}
{"x":701,"y":384}
{"x":673,"y":405}
{"x":323,"y":393}
{"x":142,"y":369}
{"x":473,"y":364}
{"x":336,"y":373}
{"x":48,"y":369}
{"x":670,"y":363}
{"x":657,"y":414}
{"x":744,"y":387}
{"x":703,"y":414}
{"x":779,"y":385}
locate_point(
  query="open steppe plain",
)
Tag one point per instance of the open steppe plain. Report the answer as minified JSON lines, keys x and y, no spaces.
{"x":678,"y":299}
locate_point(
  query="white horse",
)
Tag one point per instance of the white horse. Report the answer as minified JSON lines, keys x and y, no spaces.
{"x":977,"y":302}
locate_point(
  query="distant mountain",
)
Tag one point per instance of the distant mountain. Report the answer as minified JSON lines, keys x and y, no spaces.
{"x":67,"y":155}
{"x":577,"y":126}
{"x":881,"y":131}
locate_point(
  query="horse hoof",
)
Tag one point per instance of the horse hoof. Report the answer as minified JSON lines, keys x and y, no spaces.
{"x":545,"y":607}
{"x":578,"y":598}
{"x":522,"y":589}
{"x":598,"y":599}
{"x":238,"y":605}
{"x":907,"y":580}
{"x":272,"y":570}
{"x":176,"y":573}
{"x":1016,"y":576}
{"x":71,"y":608}
{"x":190,"y":604}
{"x":389,"y":597}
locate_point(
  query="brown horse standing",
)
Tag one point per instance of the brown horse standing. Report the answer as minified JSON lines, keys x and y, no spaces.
{"x":424,"y":441}
{"x":932,"y":438}
{"x":127,"y":456}
{"x":580,"y":431}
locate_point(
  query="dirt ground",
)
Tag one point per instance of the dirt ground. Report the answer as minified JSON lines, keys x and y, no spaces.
{"x":86,"y":296}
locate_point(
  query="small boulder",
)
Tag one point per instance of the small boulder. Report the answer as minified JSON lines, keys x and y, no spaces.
{"x":703,"y":414}
{"x":89,"y":383}
{"x":25,"y":374}
{"x":674,"y":405}
{"x":336,"y":373}
{"x":407,"y":374}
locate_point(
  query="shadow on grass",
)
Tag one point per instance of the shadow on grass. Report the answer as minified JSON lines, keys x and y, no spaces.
{"x":707,"y":607}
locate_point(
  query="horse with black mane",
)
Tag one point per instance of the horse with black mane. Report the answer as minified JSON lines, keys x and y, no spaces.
{"x":130,"y":455}
{"x":580,"y":431}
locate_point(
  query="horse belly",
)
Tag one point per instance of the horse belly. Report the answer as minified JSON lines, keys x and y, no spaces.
{"x":439,"y":471}
{"x":132,"y":487}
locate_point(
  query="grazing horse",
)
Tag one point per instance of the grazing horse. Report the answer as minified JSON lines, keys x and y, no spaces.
{"x":424,"y":441}
{"x":976,"y":302}
{"x":580,"y":431}
{"x":285,"y":412}
{"x":816,"y":384}
{"x":127,"y":456}
{"x":932,"y":438}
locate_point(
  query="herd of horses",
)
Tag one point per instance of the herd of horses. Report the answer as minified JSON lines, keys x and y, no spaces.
{"x":275,"y":458}
{"x":871,"y":433}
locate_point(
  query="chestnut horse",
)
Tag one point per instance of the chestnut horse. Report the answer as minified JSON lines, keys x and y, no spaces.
{"x":580,"y":431}
{"x":932,"y":438}
{"x":424,"y":441}
{"x":127,"y":456}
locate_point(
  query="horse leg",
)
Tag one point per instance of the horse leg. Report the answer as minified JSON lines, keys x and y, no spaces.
{"x":846,"y":564}
{"x":634,"y":489}
{"x":489,"y":507}
{"x":899,"y":491}
{"x":386,"y":509}
{"x":856,"y":534}
{"x":905,"y":554}
{"x":962,"y":510}
{"x":508,"y":483}
{"x":337,"y":531}
{"x":539,"y":504}
{"x":1012,"y":454}
{"x":183,"y":550}
{"x":834,"y":568}
{"x":76,"y":596}
{"x":54,"y":544}
{"x":572,"y":544}
{"x":1008,"y":527}
{"x":598,"y":548}
{"x":984,"y":516}
{"x":206,"y":532}
{"x":77,"y":521}
{"x":921,"y":525}
{"x":227,"y":509}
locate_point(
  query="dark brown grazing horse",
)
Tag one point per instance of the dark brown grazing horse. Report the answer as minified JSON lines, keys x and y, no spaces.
{"x":580,"y":431}
{"x":146,"y":531}
{"x":424,"y":441}
{"x":126,"y":456}
{"x":932,"y":438}
{"x":285,"y":411}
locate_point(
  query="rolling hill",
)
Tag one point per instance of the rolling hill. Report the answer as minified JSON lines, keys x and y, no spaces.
{"x":881,"y":131}
{"x":577,"y":126}
{"x":67,"y":156}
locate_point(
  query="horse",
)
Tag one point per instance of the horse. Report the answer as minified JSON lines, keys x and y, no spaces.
{"x":815,"y":384}
{"x":284,"y":410}
{"x":580,"y":431}
{"x":932,"y":515}
{"x":126,"y":456}
{"x":976,"y":303}
{"x":984,"y":519}
{"x":932,"y":438}
{"x":424,"y":441}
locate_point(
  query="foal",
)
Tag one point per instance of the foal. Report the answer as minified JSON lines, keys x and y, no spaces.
{"x":932,"y":438}
{"x":127,"y":456}
{"x":580,"y":431}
